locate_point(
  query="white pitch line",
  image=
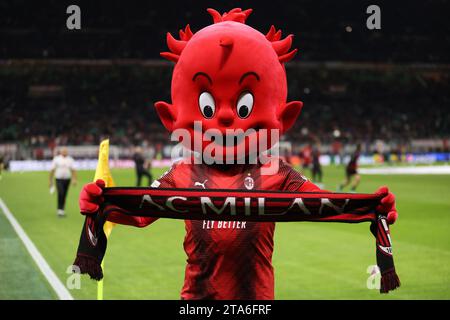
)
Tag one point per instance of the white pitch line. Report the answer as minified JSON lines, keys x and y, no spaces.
{"x":444,"y":169}
{"x":60,"y":289}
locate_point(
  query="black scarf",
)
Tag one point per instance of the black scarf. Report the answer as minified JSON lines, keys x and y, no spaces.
{"x":238,"y":205}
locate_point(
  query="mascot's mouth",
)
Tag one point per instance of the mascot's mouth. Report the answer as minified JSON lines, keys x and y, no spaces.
{"x":230,"y":143}
{"x":197,"y":129}
{"x":220,"y":136}
{"x":232,"y":138}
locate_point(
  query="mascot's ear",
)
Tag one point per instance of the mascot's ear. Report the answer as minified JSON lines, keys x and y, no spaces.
{"x":166,"y":113}
{"x":289,"y":114}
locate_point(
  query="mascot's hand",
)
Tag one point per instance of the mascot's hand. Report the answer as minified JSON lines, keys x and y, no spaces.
{"x":387,"y":205}
{"x":91,"y":197}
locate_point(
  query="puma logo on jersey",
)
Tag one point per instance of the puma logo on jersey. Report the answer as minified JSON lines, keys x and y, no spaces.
{"x":200,"y":184}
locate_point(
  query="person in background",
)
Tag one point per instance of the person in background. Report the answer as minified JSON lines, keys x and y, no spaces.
{"x":63,"y":172}
{"x":352,"y":171}
{"x":316,"y":169}
{"x":142,"y":167}
{"x":306,"y":156}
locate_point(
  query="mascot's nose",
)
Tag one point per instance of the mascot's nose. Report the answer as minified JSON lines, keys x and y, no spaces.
{"x":226,"y":117}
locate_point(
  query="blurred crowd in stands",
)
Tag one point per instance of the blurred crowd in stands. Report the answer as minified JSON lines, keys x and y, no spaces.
{"x":78,"y":105}
{"x":75,"y":88}
{"x":412,"y":31}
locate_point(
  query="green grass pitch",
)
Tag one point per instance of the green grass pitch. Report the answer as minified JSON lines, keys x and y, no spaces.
{"x":312,"y":261}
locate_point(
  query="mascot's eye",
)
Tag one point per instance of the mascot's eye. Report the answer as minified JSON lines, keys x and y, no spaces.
{"x":207,"y":105}
{"x":245,"y":105}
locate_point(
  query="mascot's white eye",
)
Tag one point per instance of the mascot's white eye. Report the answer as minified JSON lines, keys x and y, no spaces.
{"x":207,"y":105}
{"x":245,"y":105}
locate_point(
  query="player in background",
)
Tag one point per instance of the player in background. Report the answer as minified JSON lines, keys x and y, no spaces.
{"x":141,"y":166}
{"x":306,"y":156}
{"x":351,"y":171}
{"x":316,"y":169}
{"x":63,"y":172}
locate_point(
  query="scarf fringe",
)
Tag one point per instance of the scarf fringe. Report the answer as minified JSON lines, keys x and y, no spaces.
{"x":389,"y":281}
{"x":90,"y":266}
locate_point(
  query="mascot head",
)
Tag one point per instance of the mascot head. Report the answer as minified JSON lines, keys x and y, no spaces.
{"x":229,"y":76}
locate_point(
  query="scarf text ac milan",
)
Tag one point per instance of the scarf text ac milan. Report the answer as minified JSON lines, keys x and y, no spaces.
{"x":259,"y":206}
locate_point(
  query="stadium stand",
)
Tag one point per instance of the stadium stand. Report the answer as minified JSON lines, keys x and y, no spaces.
{"x":61,"y":87}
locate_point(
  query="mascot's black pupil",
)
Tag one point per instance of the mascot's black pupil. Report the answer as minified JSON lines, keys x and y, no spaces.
{"x":243,"y":111}
{"x":208,"y":111}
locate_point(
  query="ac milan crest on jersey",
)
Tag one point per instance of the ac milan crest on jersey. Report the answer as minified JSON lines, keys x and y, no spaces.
{"x":249,"y":183}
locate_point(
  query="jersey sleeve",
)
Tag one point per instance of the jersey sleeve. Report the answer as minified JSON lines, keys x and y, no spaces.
{"x":167,"y":179}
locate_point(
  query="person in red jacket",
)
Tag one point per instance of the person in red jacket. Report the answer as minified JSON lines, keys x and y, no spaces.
{"x":227,"y":76}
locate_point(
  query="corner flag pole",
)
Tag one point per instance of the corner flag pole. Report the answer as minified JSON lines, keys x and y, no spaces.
{"x":103,"y":172}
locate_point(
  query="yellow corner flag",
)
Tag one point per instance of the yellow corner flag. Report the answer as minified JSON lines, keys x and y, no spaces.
{"x":103,"y":172}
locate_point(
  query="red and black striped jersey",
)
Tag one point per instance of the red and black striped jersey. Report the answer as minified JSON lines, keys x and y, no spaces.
{"x":229,"y":259}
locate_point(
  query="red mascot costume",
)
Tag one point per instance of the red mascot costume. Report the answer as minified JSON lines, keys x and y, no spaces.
{"x":227,"y":76}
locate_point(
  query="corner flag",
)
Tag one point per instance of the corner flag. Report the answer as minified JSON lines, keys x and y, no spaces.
{"x":103,"y":172}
